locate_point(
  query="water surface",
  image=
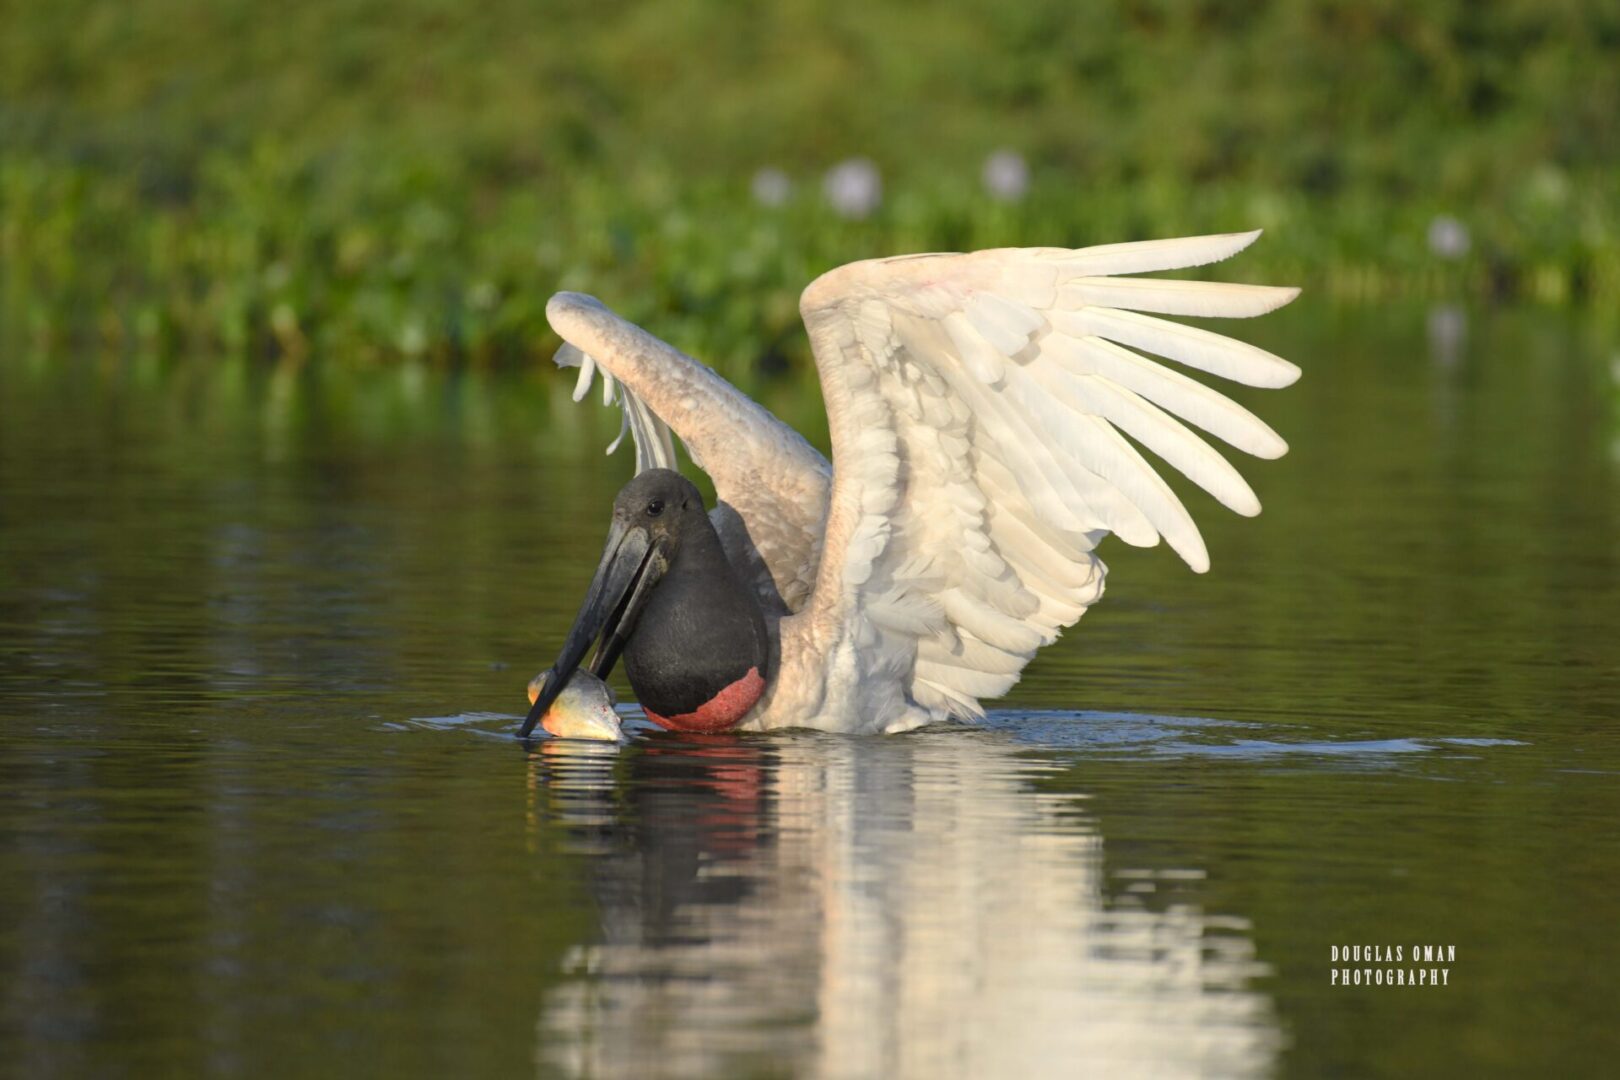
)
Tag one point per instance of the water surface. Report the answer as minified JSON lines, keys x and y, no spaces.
{"x":264,"y":629}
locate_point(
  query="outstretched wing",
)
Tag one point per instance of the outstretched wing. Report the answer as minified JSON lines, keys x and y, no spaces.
{"x":773,"y":485}
{"x":979,"y":406}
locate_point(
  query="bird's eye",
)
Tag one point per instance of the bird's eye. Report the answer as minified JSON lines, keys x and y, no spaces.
{"x":655,"y":508}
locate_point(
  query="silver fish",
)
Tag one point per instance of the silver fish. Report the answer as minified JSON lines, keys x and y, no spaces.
{"x":584,"y":709}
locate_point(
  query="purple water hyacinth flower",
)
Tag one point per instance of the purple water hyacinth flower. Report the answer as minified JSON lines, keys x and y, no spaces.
{"x":1448,"y":237}
{"x":1006,"y":175}
{"x":771,"y":186}
{"x":854,"y":187}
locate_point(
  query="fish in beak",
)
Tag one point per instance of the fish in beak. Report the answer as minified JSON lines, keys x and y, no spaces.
{"x":632,"y":563}
{"x":582,"y":710}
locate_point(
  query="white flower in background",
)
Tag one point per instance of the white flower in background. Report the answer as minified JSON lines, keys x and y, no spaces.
{"x":1448,"y":237}
{"x":1005,"y":175}
{"x":771,"y":187}
{"x":853,"y":187}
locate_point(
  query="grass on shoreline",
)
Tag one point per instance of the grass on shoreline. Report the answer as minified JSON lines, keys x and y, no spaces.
{"x":272,"y":256}
{"x":371,"y":181}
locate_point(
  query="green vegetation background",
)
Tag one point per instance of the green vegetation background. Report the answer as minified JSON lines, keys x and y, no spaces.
{"x":371,"y":179}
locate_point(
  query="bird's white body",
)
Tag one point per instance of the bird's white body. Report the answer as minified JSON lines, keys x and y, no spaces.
{"x":978,"y":406}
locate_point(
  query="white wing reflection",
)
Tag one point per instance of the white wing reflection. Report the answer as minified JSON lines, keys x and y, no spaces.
{"x":906,"y":906}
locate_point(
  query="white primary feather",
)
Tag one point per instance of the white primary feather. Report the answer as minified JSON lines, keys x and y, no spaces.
{"x":1213,"y":299}
{"x":1196,"y":348}
{"x":1147,"y":256}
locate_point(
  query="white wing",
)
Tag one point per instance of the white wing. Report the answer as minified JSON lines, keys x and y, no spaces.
{"x":774,"y":485}
{"x":979,"y":406}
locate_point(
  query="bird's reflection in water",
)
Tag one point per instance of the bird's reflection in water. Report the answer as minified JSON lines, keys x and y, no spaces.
{"x":901,"y":906}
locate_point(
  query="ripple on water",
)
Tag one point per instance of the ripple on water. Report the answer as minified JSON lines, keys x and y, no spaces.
{"x":1145,"y":735}
{"x":1112,"y":734}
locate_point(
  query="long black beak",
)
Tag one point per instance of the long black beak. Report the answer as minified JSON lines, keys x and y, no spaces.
{"x":632,"y":562}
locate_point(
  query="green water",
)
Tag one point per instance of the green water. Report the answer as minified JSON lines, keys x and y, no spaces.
{"x":264,"y":631}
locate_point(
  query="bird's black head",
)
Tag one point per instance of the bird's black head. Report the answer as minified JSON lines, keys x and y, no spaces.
{"x":652,"y":515}
{"x":661,"y":501}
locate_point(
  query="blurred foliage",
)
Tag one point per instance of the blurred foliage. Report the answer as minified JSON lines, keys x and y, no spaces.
{"x":415,"y":178}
